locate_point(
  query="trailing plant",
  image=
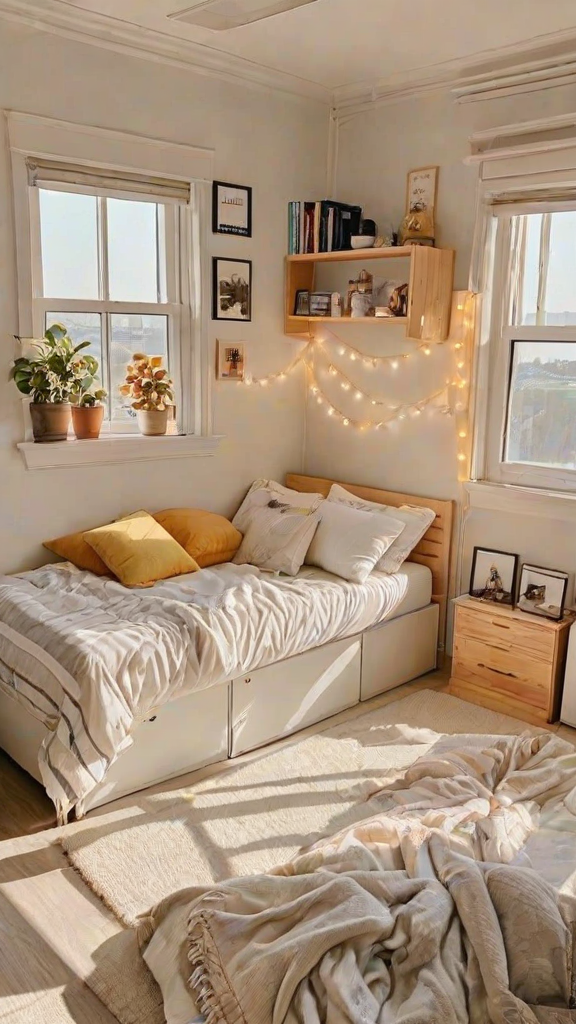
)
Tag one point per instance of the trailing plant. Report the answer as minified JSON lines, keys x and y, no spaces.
{"x":56,"y":373}
{"x":147,"y":383}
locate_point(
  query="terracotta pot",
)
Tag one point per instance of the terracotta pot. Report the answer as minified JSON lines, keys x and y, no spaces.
{"x":50,"y":421}
{"x":87,"y":421}
{"x":152,"y":422}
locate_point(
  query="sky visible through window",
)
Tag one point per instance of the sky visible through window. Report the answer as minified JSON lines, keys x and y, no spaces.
{"x":72,"y":269}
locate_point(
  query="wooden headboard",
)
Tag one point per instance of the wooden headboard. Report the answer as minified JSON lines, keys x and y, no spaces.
{"x":434,"y":548}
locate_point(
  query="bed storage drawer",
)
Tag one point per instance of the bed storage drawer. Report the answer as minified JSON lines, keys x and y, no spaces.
{"x":180,"y":736}
{"x":281,"y":699}
{"x":399,"y":650}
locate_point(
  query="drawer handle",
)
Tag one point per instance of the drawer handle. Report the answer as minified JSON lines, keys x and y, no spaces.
{"x":500,"y":625}
{"x":248,"y":679}
{"x":153,"y":719}
{"x":498,"y":671}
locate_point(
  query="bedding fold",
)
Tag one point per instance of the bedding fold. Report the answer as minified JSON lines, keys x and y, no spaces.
{"x":91,"y":658}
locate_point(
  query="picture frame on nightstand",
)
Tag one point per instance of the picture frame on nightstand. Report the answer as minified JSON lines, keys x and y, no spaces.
{"x":543,"y":592}
{"x":494,"y":576}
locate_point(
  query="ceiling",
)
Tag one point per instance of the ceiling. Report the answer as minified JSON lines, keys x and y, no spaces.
{"x":336,"y":45}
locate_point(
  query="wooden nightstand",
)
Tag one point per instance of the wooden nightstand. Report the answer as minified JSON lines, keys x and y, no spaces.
{"x":509,"y":661}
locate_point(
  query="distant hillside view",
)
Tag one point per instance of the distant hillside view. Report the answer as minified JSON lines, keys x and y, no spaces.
{"x":542,"y":409}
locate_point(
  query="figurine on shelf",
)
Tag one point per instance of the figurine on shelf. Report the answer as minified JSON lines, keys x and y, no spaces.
{"x":391,"y":299}
{"x":417,"y":228}
{"x":362,"y":286}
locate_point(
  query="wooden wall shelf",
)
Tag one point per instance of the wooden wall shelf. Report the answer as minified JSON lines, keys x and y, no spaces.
{"x":429,"y":294}
{"x":311,"y":320}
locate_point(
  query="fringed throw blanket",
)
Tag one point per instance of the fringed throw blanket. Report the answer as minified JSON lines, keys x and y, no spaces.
{"x":415,"y":915}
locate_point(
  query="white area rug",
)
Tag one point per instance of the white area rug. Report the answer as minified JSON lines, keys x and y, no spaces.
{"x":250,"y":818}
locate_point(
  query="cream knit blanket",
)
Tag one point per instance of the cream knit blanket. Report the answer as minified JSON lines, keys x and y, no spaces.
{"x":413,"y":916}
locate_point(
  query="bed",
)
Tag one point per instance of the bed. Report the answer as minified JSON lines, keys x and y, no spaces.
{"x":102,"y":688}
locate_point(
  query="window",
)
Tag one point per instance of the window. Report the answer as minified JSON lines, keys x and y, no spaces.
{"x":108,"y":269}
{"x":531,"y":385}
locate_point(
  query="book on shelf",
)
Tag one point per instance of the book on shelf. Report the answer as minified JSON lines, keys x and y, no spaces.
{"x":322,"y":226}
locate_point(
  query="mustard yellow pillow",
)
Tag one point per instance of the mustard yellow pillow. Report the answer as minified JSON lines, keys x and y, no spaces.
{"x":207,"y":537}
{"x":139,"y":551}
{"x":74,"y":549}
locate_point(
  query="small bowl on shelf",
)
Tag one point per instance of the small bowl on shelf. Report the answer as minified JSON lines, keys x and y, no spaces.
{"x":362,"y":241}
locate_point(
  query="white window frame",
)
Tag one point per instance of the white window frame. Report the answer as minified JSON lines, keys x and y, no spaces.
{"x":32,"y":136}
{"x":178,"y":301}
{"x":502,"y":336}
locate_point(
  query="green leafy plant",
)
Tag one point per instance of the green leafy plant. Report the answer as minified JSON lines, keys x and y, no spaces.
{"x":56,"y":372}
{"x":147,"y":383}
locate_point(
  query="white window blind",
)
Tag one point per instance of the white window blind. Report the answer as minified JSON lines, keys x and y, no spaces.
{"x":103,"y":181}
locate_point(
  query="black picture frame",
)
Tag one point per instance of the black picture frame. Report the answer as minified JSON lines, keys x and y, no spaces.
{"x":505,"y":597}
{"x":540,"y":571}
{"x":218,"y":225}
{"x":239,"y":293}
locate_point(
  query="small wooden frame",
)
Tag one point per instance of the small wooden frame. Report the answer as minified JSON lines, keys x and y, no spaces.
{"x":434,"y":550}
{"x":434,"y":171}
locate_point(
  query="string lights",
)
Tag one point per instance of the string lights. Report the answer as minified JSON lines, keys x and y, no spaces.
{"x":452,"y":399}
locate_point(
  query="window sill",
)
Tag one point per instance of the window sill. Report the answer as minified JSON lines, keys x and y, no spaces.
{"x":528,"y":501}
{"x":119,"y":448}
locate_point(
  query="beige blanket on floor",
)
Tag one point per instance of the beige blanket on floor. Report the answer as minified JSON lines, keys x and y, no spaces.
{"x":413,"y":916}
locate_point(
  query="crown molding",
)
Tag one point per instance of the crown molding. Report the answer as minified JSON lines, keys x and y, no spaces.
{"x":545,"y":62}
{"x":161,"y":47}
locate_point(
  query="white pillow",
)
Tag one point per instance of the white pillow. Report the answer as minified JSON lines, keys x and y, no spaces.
{"x":284,"y":494}
{"x":416,"y":521}
{"x":349,"y":542}
{"x":276,"y":535}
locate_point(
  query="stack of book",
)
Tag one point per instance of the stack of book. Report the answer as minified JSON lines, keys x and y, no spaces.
{"x":324,"y":226}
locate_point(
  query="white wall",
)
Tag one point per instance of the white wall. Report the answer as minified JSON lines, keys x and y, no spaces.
{"x":259,"y":139}
{"x":376,"y":150}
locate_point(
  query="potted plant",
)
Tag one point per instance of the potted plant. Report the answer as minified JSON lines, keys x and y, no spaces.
{"x":150,"y":387}
{"x":88,"y":414}
{"x":50,"y":376}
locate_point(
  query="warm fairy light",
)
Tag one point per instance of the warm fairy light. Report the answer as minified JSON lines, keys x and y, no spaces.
{"x":438,"y":403}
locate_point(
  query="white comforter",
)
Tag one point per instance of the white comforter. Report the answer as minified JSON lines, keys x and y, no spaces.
{"x":92,"y":658}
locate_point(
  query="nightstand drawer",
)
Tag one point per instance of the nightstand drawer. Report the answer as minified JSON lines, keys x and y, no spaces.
{"x":512,"y":672}
{"x":506,"y":634}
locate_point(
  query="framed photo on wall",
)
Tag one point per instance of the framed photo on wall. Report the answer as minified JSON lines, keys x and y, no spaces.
{"x":230,"y":360}
{"x":494,"y":576}
{"x":231,"y":289}
{"x":421,"y":190}
{"x":231,"y":209}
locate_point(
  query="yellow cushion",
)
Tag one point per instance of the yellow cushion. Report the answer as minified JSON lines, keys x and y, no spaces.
{"x":207,"y":537}
{"x":139,"y":551}
{"x":74,"y":549}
